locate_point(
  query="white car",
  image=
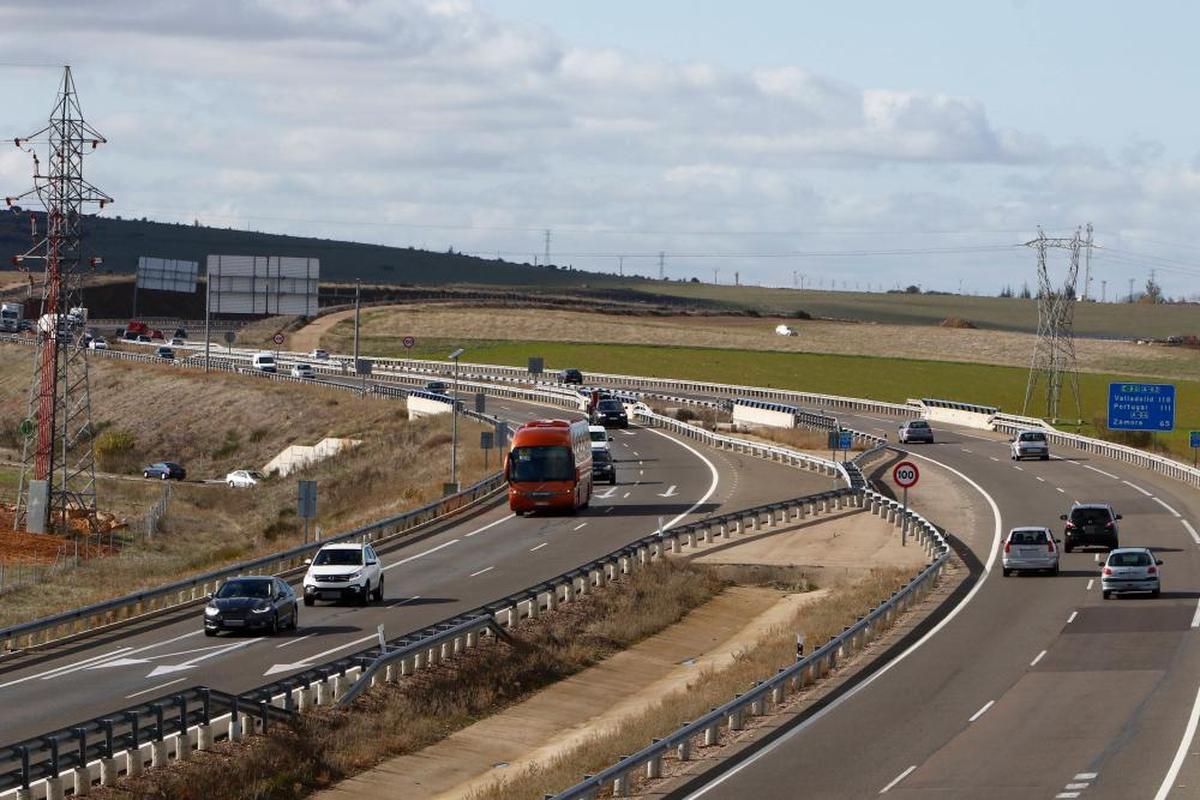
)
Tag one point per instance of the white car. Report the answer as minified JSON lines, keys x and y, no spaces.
{"x":347,"y":571}
{"x":244,"y":478}
{"x":1031,"y":548}
{"x":319,"y":355}
{"x":1029,"y":444}
{"x":1131,"y":569}
{"x":99,"y":343}
{"x":599,"y":436}
{"x":302,"y":371}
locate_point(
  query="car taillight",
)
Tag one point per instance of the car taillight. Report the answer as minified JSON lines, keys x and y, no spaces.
{"x":1050,"y":546}
{"x":1108,"y":524}
{"x":1151,"y":570}
{"x":1008,"y":547}
{"x":1107,"y":571}
{"x":1070,"y":524}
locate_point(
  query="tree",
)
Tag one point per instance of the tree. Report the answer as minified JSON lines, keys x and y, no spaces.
{"x":912,"y":289}
{"x":1006,"y":291}
{"x":1153,"y":291}
{"x":1025,"y":293}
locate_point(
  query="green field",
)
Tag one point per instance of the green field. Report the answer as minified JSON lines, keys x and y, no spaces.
{"x":894,"y":380}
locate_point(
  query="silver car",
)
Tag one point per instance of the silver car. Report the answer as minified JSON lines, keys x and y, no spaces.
{"x":916,"y":430}
{"x":1031,"y":548}
{"x":1130,"y":569}
{"x":1029,"y":444}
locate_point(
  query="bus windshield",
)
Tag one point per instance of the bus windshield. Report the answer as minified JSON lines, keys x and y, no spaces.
{"x":553,"y":463}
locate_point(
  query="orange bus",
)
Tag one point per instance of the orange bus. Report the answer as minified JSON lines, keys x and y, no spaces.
{"x":549,"y":466}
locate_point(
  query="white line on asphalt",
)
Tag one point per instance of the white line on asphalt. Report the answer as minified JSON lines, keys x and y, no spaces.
{"x":293,"y":641}
{"x":420,"y":555}
{"x":997,"y":530}
{"x":480,"y":572}
{"x":1066,"y":796}
{"x":1037,"y":658}
{"x":712,"y":469}
{"x":965,"y":450}
{"x":1184,"y":745}
{"x":993,"y":458}
{"x":635,"y":452}
{"x":982,"y":711}
{"x":1196,"y":616}
{"x":55,"y":672}
{"x":1071,"y":618}
{"x":641,"y":471}
{"x":1021,"y":469}
{"x":1060,"y":489}
{"x":610,"y":508}
{"x":1102,"y":472}
{"x":898,"y":778}
{"x":1135,"y":486}
{"x":1174,"y":513}
{"x":308,"y":659}
{"x":491,"y":525}
{"x":1086,"y":776}
{"x":155,"y":688}
{"x":580,"y":525}
{"x":539,"y":547}
{"x":1040,"y":478}
{"x":1191,"y":530}
{"x":406,"y":601}
{"x":1091,"y":582}
{"x":625,"y":495}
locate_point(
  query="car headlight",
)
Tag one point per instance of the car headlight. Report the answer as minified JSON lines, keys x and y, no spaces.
{"x":261,"y":609}
{"x":354,"y":576}
{"x":211,"y":611}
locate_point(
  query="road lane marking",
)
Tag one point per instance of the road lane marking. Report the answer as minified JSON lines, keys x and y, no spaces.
{"x":55,"y":672}
{"x":293,"y":641}
{"x":625,"y":495}
{"x":670,"y":492}
{"x":1102,"y":472}
{"x":540,"y":546}
{"x":1040,"y":478}
{"x":1086,"y":776}
{"x":712,"y":470}
{"x":579,"y":526}
{"x":898,"y":778}
{"x":1196,"y":616}
{"x":1020,"y":469}
{"x":965,"y":450}
{"x":1037,"y":658}
{"x":1060,"y":489}
{"x":982,"y":711}
{"x":480,"y":572}
{"x":1191,"y":530}
{"x":1173,"y":512}
{"x":1071,"y":618}
{"x":1066,"y":796}
{"x":421,"y":555}
{"x":490,"y":525}
{"x":307,"y":661}
{"x":1185,"y":744}
{"x":993,"y":458}
{"x":1135,"y":486}
{"x":154,"y":688}
{"x":1091,"y":582}
{"x":406,"y":601}
{"x":997,"y":533}
{"x":635,"y":452}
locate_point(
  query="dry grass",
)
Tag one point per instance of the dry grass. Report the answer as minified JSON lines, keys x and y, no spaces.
{"x":799,"y":438}
{"x":819,"y":621}
{"x":323,"y":747}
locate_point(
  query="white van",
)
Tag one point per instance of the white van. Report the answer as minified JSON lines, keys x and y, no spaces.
{"x":263,"y":362}
{"x":599,"y":436}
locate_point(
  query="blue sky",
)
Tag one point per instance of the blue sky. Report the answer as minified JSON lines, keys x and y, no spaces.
{"x":875,"y":143}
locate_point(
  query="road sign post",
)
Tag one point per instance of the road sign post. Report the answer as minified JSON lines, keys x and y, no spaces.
{"x":487,"y":440}
{"x":306,"y":505}
{"x":905,"y":474}
{"x":845,"y":442}
{"x":408,"y":342}
{"x":1194,"y":441}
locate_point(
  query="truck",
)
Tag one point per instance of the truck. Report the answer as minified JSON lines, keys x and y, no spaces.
{"x":11,"y":315}
{"x":135,"y":329}
{"x":549,"y":466}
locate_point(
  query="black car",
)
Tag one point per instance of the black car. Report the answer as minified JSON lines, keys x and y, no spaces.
{"x":571,"y":376}
{"x":249,"y":603}
{"x":180,"y":333}
{"x":610,"y":412}
{"x":165,"y":352}
{"x":165,"y":470}
{"x":603,"y":467}
{"x":437,"y":387}
{"x":1091,"y":524}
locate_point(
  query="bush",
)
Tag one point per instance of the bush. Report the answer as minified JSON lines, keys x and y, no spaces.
{"x":115,"y":450}
{"x":229,"y":446}
{"x":258,"y":434}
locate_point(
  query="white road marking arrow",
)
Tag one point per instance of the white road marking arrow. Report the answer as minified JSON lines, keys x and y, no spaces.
{"x":306,"y":663}
{"x":607,"y":493}
{"x":167,"y":669}
{"x":670,"y":492}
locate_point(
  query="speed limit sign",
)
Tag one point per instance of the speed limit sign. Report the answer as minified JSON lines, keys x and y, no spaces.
{"x":408,"y":342}
{"x":906,"y":474}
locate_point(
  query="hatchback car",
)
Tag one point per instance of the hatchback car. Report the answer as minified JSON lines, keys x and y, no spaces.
{"x":165,"y":352}
{"x":176,"y":341}
{"x":603,"y":467}
{"x":571,"y":376}
{"x":1131,"y":569}
{"x":244,"y":478}
{"x":258,"y":602}
{"x":1092,"y":524}
{"x":610,"y":412}
{"x":437,"y":387}
{"x":1030,"y":548}
{"x":1029,"y":444}
{"x":344,"y":572}
{"x":144,"y":339}
{"x":98,"y":343}
{"x":319,"y":355}
{"x":915,"y":430}
{"x":165,"y":470}
{"x":302,"y":371}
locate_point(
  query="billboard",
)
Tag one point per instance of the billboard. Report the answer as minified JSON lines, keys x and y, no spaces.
{"x":263,"y":285}
{"x":166,"y":274}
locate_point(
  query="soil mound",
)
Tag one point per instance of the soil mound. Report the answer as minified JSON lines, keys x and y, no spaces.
{"x":956,"y":322}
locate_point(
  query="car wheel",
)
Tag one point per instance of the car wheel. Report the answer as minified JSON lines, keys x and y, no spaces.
{"x":1155,"y":592}
{"x":364,"y":596}
{"x":1006,"y":571}
{"x":1045,"y":458}
{"x":210,"y":631}
{"x":1054,"y":570}
{"x":1106,"y":594}
{"x":294,"y":625}
{"x":308,"y":600}
{"x":377,"y":596}
{"x":274,"y":629}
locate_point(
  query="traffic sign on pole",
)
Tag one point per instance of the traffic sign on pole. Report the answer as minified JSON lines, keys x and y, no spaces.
{"x":1141,"y":407}
{"x":906,"y":474}
{"x":845,"y":440}
{"x":277,"y":338}
{"x":408,"y":342}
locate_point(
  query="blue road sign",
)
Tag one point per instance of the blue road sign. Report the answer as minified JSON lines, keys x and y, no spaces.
{"x":1141,"y":407}
{"x":845,"y":440}
{"x":1194,"y":437}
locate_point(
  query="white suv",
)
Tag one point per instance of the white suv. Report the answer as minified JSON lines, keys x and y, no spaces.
{"x":344,"y":571}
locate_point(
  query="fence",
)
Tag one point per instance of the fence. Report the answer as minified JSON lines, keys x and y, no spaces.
{"x":157,"y":511}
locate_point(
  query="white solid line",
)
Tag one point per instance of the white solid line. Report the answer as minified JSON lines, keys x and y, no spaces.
{"x":406,"y":601}
{"x":1135,"y":486}
{"x":1081,"y":785}
{"x":339,"y":648}
{"x":539,"y":547}
{"x":1174,"y":513}
{"x":491,"y":525}
{"x":1091,"y":582}
{"x":580,"y":525}
{"x":293,"y":641}
{"x":1086,"y":776}
{"x":982,"y":711}
{"x":1184,"y":745}
{"x":1102,"y":472}
{"x":1196,"y":616}
{"x":480,"y":572}
{"x":420,"y":555}
{"x":1071,"y":618}
{"x":712,"y":469}
{"x":1037,"y":658}
{"x":155,"y":688}
{"x":898,"y":778}
{"x":997,"y":532}
{"x":54,"y":673}
{"x":1191,"y":530}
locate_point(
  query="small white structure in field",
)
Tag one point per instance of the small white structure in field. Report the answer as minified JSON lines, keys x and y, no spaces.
{"x":784,"y":330}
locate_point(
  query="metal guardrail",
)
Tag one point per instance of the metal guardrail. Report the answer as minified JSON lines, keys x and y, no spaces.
{"x":955,"y":405}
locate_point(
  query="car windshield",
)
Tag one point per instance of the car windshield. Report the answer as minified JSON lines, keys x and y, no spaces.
{"x":599,"y":436}
{"x":610,"y":405}
{"x":918,"y":424}
{"x":602,"y":457}
{"x":266,"y":360}
{"x":1090,"y":516}
{"x":1027,"y":537}
{"x":246,"y":588}
{"x":1129,"y":560}
{"x":548,"y":463}
{"x":338,"y":557}
{"x":1033,"y":437}
{"x":256,"y":475}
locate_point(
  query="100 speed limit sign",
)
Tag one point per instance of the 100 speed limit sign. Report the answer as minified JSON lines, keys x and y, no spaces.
{"x":906,"y":474}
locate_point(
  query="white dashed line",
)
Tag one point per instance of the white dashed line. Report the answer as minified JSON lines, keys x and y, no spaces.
{"x":1174,"y":513}
{"x":491,"y":525}
{"x":1037,"y":658}
{"x":965,"y":450}
{"x":1102,"y":472}
{"x":1196,"y":616}
{"x":420,"y":555}
{"x":293,"y":641}
{"x":625,"y":495}
{"x":1191,"y":530}
{"x":635,"y":452}
{"x":539,"y":547}
{"x":982,"y":711}
{"x":580,"y":525}
{"x":1086,"y":776}
{"x":1091,"y":583}
{"x":1022,"y":469}
{"x":405,"y":601}
{"x":1135,"y":486}
{"x":1060,"y":489}
{"x":155,"y":688}
{"x":1066,"y":796}
{"x":898,"y":778}
{"x":1071,"y":618}
{"x":993,"y":458}
{"x":1040,"y":478}
{"x":480,"y":572}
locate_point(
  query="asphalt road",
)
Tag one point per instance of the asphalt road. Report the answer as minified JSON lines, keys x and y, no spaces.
{"x":455,"y":568}
{"x":1037,"y":687}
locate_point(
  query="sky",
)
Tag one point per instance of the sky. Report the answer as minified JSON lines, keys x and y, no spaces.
{"x":858,"y":145}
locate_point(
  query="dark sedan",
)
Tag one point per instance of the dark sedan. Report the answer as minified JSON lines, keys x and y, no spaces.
{"x":611,"y":413}
{"x":252,"y":603}
{"x":165,"y":470}
{"x":603,"y":467}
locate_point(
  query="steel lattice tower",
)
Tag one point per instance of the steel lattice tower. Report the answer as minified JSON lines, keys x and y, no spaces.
{"x":58,"y":476}
{"x":1054,"y":351}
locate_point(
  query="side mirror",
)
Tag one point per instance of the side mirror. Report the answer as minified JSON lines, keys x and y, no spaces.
{"x":1158,"y":561}
{"x":1062,"y":516}
{"x":308,"y":562}
{"x":1058,"y":541}
{"x":1119,"y":516}
{"x":610,"y":438}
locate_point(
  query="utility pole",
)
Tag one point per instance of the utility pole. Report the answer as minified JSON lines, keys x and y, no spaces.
{"x":1103,"y":291}
{"x":1087,"y":268}
{"x":716,"y":272}
{"x":737,"y":279}
{"x":621,"y":266}
{"x":357,"y":306}
{"x":662,"y":269}
{"x":547,"y":234}
{"x":795,"y":280}
{"x":1131,"y":290}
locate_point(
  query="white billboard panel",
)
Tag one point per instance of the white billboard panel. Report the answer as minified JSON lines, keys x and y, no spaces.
{"x":263,"y":285}
{"x":167,"y":274}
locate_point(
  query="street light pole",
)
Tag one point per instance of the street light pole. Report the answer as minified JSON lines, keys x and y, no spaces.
{"x":454,"y":422}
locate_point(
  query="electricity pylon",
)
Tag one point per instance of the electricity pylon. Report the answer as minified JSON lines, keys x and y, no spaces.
{"x":1054,"y":350}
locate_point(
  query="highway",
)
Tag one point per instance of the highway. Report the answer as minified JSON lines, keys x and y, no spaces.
{"x":1037,"y":687}
{"x":454,"y":568}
